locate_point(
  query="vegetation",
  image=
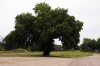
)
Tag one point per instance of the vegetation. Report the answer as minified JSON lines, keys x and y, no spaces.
{"x":90,"y":45}
{"x":36,"y":32}
{"x":2,"y":47}
{"x":20,"y":50}
{"x":71,"y":54}
{"x":66,"y":54}
{"x":20,"y":54}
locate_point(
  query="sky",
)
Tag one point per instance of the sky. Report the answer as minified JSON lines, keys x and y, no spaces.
{"x":87,"y":11}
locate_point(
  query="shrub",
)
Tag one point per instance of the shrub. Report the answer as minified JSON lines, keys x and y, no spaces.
{"x":87,"y":49}
{"x":20,"y":50}
{"x":72,"y":49}
{"x":2,"y":48}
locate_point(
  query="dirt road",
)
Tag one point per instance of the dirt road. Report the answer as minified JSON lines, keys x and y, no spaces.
{"x":50,"y":61}
{"x":87,"y":61}
{"x":34,"y":61}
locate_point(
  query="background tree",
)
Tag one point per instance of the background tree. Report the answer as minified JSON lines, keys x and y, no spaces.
{"x":9,"y":41}
{"x":1,"y":44}
{"x":84,"y":45}
{"x":88,"y":45}
{"x":46,"y":25}
{"x":98,"y":44}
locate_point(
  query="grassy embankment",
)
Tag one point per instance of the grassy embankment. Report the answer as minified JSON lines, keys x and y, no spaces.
{"x":68,"y":54}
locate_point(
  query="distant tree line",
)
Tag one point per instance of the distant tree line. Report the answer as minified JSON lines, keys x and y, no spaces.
{"x":90,"y":45}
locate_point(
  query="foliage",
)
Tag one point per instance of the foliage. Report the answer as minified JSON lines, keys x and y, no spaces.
{"x":77,"y":47}
{"x":2,"y":46}
{"x":98,"y":44}
{"x":90,"y":45}
{"x":40,"y":29}
{"x":72,"y":49}
{"x":20,"y":50}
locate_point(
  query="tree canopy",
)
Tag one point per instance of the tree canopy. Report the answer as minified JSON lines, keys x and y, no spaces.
{"x":90,"y":45}
{"x":40,"y":29}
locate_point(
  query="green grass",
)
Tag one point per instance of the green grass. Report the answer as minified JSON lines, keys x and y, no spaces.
{"x":20,"y":54}
{"x":71,"y":54}
{"x":68,"y":54}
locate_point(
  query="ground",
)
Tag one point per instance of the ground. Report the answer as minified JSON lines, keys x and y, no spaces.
{"x":86,"y":61}
{"x":50,"y":61}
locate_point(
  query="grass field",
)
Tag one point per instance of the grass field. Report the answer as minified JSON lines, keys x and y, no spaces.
{"x":71,"y":54}
{"x":68,"y":54}
{"x":20,"y":54}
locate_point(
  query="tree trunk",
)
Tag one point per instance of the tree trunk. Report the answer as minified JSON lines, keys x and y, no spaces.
{"x":46,"y":51}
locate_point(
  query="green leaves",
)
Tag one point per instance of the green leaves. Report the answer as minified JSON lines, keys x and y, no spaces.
{"x":41,"y":8}
{"x":44,"y":26}
{"x":89,"y":45}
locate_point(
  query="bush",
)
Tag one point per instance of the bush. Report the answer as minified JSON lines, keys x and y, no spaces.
{"x":72,"y":49}
{"x":87,"y":49}
{"x":2,"y":48}
{"x":20,"y":50}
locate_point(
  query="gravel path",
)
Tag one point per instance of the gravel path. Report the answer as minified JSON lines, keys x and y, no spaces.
{"x":50,"y":61}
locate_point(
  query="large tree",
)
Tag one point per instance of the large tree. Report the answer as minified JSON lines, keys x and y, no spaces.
{"x":46,"y":25}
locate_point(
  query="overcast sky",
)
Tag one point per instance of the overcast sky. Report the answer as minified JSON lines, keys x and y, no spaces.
{"x":87,"y":11}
